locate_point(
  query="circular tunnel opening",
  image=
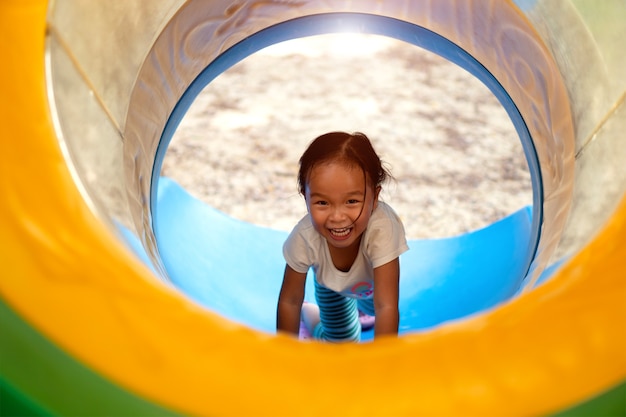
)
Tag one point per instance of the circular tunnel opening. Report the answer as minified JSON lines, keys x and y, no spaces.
{"x":231,"y":262}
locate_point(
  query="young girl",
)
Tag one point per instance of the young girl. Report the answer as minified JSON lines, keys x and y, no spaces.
{"x":351,"y":240}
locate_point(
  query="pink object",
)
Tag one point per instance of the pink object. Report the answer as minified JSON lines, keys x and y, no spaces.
{"x":304,"y":332}
{"x":367,"y":322}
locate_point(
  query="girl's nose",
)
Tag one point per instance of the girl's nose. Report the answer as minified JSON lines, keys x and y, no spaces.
{"x":337,"y":214}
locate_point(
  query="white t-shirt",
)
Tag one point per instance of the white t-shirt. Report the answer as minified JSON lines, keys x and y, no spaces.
{"x":383,"y":241}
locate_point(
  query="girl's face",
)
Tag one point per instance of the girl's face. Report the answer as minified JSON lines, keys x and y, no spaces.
{"x":337,"y":201}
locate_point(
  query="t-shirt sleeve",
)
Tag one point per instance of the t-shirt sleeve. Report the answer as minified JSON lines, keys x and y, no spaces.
{"x":386,"y":240}
{"x":296,"y":252}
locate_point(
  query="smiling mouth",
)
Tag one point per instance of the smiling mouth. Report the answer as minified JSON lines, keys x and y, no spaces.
{"x":340,"y":233}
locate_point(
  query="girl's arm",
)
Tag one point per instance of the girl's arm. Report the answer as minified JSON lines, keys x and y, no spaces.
{"x":386,"y":293}
{"x":290,"y":301}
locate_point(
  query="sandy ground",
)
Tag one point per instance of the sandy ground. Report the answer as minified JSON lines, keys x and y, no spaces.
{"x":457,"y":161}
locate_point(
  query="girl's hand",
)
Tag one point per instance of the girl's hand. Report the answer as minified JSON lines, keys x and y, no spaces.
{"x":290,"y":301}
{"x":386,"y":294}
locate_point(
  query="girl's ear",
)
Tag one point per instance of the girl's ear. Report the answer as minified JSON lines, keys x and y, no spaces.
{"x":306,"y":201}
{"x":306,"y":204}
{"x":376,"y":193}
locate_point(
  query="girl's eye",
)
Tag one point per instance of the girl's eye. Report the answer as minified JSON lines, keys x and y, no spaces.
{"x":321,"y":203}
{"x":353,"y":201}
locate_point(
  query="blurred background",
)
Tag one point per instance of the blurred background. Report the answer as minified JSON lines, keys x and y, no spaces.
{"x":457,"y":161}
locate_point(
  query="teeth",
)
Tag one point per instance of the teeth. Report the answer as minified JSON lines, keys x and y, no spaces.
{"x":340,"y":232}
